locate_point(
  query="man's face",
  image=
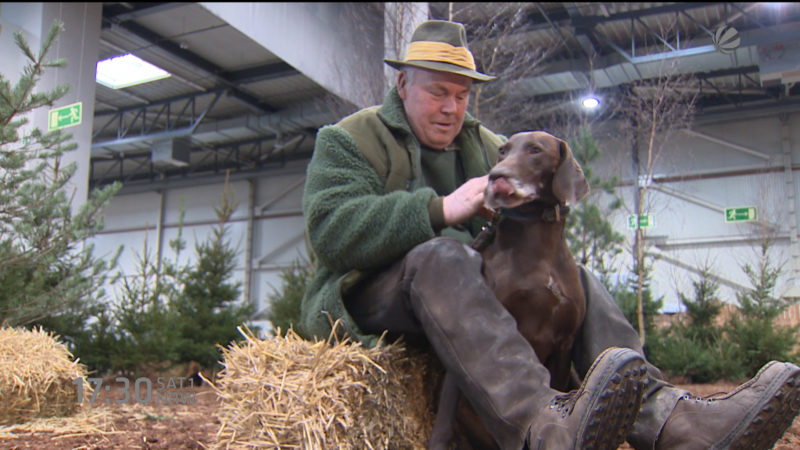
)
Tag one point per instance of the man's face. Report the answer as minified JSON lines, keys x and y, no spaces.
{"x":435,"y":104}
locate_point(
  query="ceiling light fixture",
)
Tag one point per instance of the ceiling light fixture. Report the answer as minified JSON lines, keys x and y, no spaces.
{"x":590,"y":102}
{"x":127,"y":70}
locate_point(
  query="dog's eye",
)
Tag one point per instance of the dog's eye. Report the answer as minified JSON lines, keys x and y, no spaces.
{"x":501,"y":151}
{"x":533,"y":149}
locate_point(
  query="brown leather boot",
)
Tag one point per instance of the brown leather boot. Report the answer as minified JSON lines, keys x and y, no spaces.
{"x":600,"y":413}
{"x":753,"y":416}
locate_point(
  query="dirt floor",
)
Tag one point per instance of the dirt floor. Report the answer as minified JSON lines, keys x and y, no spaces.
{"x":177,"y":417}
{"x":187,"y":421}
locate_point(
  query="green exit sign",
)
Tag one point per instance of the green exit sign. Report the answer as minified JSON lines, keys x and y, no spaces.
{"x":645,"y":221}
{"x":66,"y":116}
{"x":742,"y":214}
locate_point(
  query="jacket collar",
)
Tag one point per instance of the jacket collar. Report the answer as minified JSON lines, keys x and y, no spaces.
{"x":393,"y":114}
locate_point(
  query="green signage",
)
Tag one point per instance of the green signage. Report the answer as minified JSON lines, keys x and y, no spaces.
{"x":66,"y":116}
{"x":645,"y":221}
{"x":743,"y":214}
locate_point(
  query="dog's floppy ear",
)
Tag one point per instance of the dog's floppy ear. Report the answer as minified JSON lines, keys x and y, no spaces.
{"x":569,"y":183}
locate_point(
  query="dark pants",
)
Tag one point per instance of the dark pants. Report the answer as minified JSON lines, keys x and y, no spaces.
{"x":437,"y":292}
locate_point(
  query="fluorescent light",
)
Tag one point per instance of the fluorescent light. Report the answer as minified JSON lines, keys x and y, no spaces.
{"x":590,"y":102}
{"x":127,"y":70}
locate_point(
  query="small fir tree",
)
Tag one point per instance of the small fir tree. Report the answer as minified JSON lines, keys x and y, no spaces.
{"x":696,"y":349}
{"x":207,"y":308}
{"x":48,"y":273}
{"x":626,"y":296}
{"x":756,"y":335}
{"x":145,"y":333}
{"x":703,"y":309}
{"x":284,"y":304}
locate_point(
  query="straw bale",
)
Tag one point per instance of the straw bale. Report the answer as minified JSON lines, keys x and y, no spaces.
{"x":286,"y":392}
{"x":37,"y":375}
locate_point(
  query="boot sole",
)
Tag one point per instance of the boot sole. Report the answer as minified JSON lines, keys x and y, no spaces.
{"x":766,"y":423}
{"x":615,"y":405}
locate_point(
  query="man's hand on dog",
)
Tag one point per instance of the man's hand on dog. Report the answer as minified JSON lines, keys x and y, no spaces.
{"x":466,"y":202}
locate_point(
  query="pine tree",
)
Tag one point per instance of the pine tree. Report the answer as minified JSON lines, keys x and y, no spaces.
{"x":136,"y":334}
{"x":756,"y":335}
{"x":207,"y":308}
{"x":48,"y":273}
{"x":591,"y":236}
{"x":284,"y":304}
{"x":144,"y":333}
{"x":696,"y":348}
{"x":626,"y":296}
{"x":703,"y":309}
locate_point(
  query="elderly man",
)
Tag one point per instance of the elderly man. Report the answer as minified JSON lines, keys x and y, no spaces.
{"x":393,"y":197}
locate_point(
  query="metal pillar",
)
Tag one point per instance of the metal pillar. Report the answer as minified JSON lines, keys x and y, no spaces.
{"x":248,"y":252}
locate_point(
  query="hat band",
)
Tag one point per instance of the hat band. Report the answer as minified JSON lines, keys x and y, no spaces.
{"x":440,"y":52}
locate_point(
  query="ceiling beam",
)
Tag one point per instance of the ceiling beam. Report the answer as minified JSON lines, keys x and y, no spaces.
{"x":562,"y":17}
{"x":156,"y":103}
{"x":264,"y":72}
{"x":174,"y":50}
{"x":124,"y":11}
{"x":123,"y":140}
{"x":582,"y":34}
{"x":639,"y":13}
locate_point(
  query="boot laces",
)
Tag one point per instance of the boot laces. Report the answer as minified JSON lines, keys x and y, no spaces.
{"x":697,"y":399}
{"x":564,"y":403}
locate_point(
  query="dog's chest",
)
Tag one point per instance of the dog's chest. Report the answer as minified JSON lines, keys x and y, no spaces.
{"x":544,"y":295}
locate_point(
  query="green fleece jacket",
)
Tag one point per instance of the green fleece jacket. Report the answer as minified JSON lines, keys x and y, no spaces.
{"x":365,"y":205}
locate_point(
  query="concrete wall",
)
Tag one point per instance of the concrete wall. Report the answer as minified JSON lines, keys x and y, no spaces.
{"x":331,"y":43}
{"x":78,"y":44}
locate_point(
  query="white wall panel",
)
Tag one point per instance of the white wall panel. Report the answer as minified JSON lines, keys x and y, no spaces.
{"x":705,"y":174}
{"x":132,"y":211}
{"x":277,"y":230}
{"x":133,"y":246}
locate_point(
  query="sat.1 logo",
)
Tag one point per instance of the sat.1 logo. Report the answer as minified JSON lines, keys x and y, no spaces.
{"x":726,"y":39}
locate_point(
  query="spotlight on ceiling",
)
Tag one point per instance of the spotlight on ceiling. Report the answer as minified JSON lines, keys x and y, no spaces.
{"x":590,"y":102}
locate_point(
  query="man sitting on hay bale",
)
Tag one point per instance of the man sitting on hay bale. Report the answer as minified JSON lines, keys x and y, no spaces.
{"x":387,"y":190}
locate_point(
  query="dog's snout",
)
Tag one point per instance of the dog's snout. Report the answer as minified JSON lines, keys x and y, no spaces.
{"x":499,"y":170}
{"x":500,"y":187}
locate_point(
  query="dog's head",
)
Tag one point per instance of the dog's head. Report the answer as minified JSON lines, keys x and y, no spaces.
{"x":532,"y":166}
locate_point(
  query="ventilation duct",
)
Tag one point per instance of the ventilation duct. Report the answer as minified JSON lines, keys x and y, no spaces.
{"x":175,"y":152}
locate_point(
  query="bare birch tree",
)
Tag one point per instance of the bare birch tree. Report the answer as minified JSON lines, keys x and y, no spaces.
{"x":655,"y":111}
{"x":499,"y":40}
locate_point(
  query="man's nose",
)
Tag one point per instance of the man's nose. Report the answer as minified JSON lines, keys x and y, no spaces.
{"x":449,"y":104}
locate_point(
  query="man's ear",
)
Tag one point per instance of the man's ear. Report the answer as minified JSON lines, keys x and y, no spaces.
{"x":402,"y":81}
{"x":569,"y":182}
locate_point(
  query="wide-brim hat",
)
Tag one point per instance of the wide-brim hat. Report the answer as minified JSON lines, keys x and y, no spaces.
{"x":440,"y":45}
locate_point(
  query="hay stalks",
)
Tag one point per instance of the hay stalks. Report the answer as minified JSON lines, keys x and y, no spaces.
{"x":291,"y":393}
{"x":37,"y":376}
{"x":85,"y":421}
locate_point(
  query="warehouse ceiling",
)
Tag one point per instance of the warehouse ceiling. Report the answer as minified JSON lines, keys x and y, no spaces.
{"x":231,"y":104}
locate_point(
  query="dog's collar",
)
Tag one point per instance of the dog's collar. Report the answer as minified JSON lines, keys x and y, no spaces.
{"x":532,"y":211}
{"x":488,"y":231}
